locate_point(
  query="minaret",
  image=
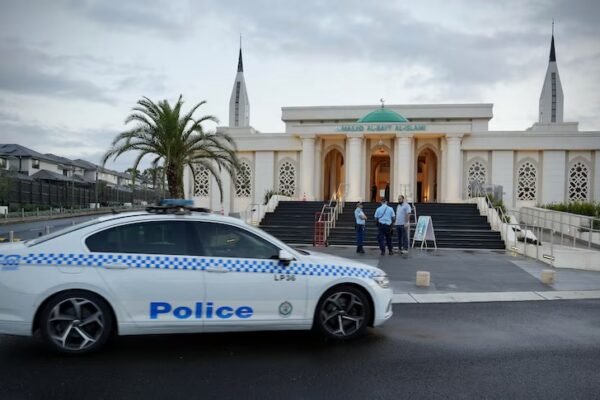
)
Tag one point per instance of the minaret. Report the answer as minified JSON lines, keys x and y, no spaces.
{"x":551,"y":99}
{"x":239,"y":106}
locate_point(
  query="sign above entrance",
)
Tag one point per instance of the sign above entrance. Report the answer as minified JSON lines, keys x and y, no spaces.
{"x":381,"y":127}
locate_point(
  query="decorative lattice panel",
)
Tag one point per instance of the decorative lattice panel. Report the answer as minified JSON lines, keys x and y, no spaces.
{"x":201,"y":181}
{"x":243,"y":180}
{"x":287,"y":179}
{"x":527,"y":182}
{"x":476,"y":177}
{"x":578,"y":182}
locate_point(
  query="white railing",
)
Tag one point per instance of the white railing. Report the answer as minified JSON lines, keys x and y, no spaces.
{"x":255,"y":212}
{"x":573,"y":227}
{"x":539,"y":236}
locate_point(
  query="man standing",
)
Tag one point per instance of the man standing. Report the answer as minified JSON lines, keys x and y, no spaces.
{"x":384,"y":215}
{"x":360,"y":218}
{"x":402,"y":223}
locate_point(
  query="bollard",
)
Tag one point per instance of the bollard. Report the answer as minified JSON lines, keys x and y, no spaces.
{"x":11,"y":236}
{"x":47,"y":229}
{"x":548,"y":276}
{"x":423,"y":278}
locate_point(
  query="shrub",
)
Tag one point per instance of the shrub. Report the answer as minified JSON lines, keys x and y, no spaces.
{"x":270,"y":193}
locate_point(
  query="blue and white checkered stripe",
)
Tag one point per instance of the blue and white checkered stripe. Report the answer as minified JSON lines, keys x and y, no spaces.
{"x":193,"y":263}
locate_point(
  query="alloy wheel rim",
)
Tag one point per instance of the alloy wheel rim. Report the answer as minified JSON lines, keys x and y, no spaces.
{"x":75,"y":324}
{"x":342,"y":314}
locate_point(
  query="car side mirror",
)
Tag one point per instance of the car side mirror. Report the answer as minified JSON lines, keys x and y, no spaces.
{"x":285,"y":257}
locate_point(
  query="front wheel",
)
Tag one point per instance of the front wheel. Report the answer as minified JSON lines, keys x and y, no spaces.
{"x":76,"y":322}
{"x":343,"y":313}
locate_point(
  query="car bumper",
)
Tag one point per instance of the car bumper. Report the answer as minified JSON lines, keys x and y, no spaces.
{"x":383,"y":307}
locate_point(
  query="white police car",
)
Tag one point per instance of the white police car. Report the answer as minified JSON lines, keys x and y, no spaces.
{"x":177,"y":271}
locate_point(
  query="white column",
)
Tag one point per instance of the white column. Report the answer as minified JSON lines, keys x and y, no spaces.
{"x":453,"y":172}
{"x":307,"y":164}
{"x":402,"y":166}
{"x":354,"y":172}
{"x":318,"y":185}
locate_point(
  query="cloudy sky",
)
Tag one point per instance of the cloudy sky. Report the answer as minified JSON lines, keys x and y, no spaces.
{"x":70,"y":70}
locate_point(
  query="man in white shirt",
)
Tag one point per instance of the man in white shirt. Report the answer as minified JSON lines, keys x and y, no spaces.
{"x":402,"y":223}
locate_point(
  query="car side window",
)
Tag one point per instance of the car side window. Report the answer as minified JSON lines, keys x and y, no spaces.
{"x":222,"y":240}
{"x":154,"y":237}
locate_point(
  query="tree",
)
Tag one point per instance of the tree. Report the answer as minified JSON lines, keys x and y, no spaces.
{"x":176,"y":140}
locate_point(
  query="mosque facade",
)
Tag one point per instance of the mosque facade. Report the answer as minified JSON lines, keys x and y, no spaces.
{"x":428,"y":152}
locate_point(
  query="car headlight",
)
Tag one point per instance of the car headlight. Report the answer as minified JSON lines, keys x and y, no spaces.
{"x":382,"y":281}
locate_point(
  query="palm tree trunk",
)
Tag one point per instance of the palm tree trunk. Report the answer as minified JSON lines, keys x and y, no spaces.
{"x":175,"y":181}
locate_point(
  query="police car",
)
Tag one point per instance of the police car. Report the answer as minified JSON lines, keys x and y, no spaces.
{"x":177,"y":269}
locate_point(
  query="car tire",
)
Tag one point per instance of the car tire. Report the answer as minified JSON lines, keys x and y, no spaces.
{"x":76,"y":322}
{"x":343,"y":313}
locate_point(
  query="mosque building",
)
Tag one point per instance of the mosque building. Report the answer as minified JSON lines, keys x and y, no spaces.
{"x":428,"y":152}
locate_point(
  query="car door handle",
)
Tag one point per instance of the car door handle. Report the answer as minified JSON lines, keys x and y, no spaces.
{"x":115,"y":266}
{"x":217,"y":269}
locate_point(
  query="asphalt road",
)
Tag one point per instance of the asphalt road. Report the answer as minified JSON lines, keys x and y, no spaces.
{"x":31,"y":230}
{"x":529,"y":350}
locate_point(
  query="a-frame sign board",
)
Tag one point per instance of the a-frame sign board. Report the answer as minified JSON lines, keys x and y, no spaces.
{"x":424,"y":232}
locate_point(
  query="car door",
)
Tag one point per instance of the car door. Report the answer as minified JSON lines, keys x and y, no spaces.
{"x":247,"y":287}
{"x":149,"y":270}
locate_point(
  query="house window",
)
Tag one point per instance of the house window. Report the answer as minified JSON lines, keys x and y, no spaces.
{"x":3,"y":163}
{"x":35,"y":164}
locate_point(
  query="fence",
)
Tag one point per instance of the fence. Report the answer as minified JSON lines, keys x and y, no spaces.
{"x":19,"y":193}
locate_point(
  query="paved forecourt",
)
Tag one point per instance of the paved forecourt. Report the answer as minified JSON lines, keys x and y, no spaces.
{"x":464,"y":276}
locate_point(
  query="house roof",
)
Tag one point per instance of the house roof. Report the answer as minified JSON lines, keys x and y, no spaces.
{"x":46,"y":175}
{"x":16,"y":150}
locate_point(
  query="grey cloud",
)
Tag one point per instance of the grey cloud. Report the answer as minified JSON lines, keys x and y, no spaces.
{"x":31,"y":71}
{"x":381,"y":33}
{"x":164,"y":18}
{"x":35,"y":72}
{"x":88,"y":144}
{"x":385,"y":35}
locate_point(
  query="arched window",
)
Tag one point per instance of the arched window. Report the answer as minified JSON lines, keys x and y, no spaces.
{"x":201,"y":181}
{"x":243,"y":180}
{"x":578,"y":182}
{"x":287,"y":179}
{"x":476,"y":178}
{"x":527,"y":181}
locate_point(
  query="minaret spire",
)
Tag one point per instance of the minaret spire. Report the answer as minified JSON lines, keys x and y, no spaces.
{"x":551,"y":98}
{"x":552,"y":52}
{"x":239,"y":106}
{"x":240,"y":63}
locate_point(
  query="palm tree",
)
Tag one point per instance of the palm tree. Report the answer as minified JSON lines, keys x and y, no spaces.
{"x":177,"y":141}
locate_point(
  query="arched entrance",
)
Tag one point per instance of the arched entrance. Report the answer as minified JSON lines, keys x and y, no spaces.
{"x":333,"y":170}
{"x":427,"y":171}
{"x":379,"y":186}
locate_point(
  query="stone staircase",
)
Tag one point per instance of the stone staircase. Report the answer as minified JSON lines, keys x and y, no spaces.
{"x":292,"y":222}
{"x":456,"y":225}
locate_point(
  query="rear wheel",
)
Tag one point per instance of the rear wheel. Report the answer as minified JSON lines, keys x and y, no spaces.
{"x":76,"y":322}
{"x":343,"y":313}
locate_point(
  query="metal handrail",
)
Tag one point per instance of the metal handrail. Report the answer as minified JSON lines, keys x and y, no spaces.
{"x":544,"y":230}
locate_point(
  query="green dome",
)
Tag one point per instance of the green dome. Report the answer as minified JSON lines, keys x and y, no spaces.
{"x":382,"y":115}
